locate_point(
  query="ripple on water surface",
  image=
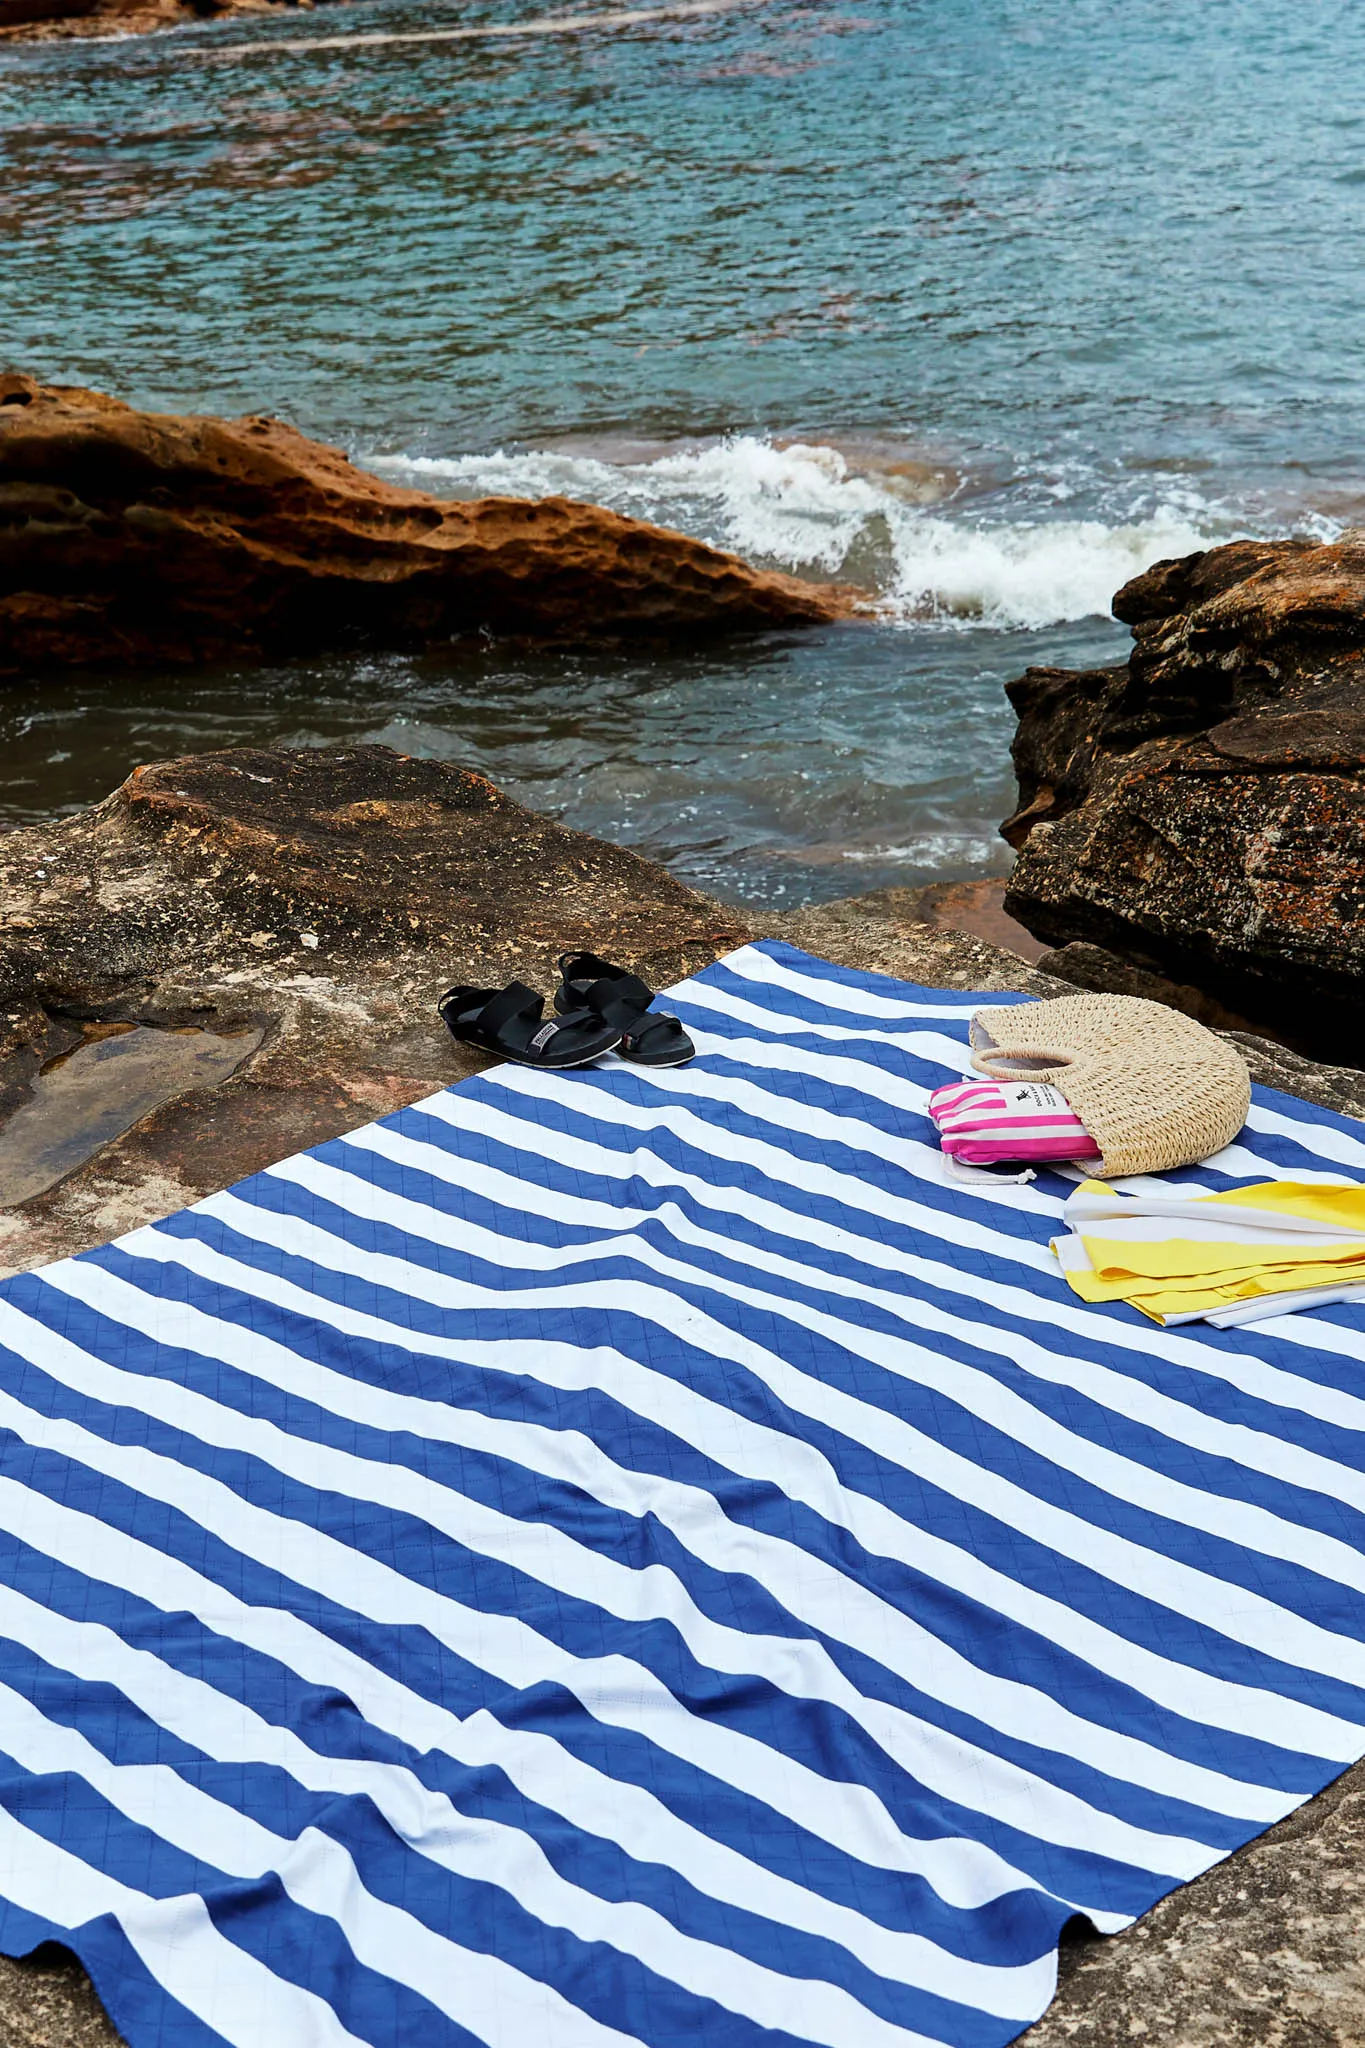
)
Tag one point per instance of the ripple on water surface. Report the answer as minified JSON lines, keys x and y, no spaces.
{"x":791,"y":768}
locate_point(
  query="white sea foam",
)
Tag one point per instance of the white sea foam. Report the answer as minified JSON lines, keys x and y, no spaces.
{"x":807,"y":508}
{"x":954,"y":851}
{"x":1034,"y":574}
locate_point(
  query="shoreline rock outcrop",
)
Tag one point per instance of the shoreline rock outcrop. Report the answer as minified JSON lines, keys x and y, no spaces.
{"x":129,"y":538}
{"x":284,"y":919}
{"x":1199,"y":812}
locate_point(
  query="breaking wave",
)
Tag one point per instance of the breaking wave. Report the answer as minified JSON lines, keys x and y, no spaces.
{"x":893,"y":527}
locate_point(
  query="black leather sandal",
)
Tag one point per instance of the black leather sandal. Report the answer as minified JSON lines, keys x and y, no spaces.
{"x":508,"y":1021}
{"x":648,"y":1038}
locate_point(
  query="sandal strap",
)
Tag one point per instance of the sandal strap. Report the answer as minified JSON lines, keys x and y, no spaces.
{"x":516,"y":1000}
{"x":582,"y":967}
{"x":620,"y":1002}
{"x":650,"y":1025}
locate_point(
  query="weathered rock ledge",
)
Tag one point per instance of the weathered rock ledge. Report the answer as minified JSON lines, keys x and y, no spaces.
{"x":306,"y":908}
{"x":1200,"y":810}
{"x":129,"y":537}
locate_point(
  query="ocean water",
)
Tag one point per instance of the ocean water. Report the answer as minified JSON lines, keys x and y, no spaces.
{"x":984,"y":307}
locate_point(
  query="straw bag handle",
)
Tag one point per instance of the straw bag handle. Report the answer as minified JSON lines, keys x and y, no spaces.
{"x":1024,"y":1065}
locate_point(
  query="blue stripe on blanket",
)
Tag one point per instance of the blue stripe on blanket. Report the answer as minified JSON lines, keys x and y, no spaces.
{"x":629,"y":1557}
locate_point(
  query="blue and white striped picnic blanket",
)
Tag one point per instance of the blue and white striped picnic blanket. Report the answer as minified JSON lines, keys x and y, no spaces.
{"x":634,"y":1557}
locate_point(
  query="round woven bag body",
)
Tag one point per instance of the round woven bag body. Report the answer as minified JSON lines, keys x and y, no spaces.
{"x":1153,"y":1088}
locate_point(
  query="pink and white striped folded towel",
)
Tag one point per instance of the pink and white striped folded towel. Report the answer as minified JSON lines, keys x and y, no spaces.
{"x":981,"y":1123}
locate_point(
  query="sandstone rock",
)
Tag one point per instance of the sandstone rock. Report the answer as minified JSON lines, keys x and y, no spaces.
{"x":943,"y":935}
{"x":299,"y":912}
{"x":25,"y":14}
{"x":307,"y":908}
{"x":1200,"y":811}
{"x":1264,"y":1951}
{"x":130,"y":537}
{"x":47,"y":2001}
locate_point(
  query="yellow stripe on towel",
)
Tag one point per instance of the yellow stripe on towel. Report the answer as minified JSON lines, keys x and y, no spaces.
{"x":1173,"y":1299}
{"x":1188,"y":1255}
{"x":1174,"y":1258}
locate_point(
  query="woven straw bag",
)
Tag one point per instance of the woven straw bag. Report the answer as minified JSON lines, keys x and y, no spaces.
{"x":1153,"y":1088}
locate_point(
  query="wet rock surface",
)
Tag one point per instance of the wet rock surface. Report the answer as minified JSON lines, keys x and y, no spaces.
{"x":1200,"y":811}
{"x":321,"y":900}
{"x":129,"y":537}
{"x":975,"y":907}
{"x":116,"y":1076}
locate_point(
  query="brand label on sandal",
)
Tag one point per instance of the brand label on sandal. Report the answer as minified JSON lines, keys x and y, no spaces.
{"x":543,"y":1037}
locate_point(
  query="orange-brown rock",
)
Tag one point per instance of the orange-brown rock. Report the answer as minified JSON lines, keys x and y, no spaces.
{"x":130,"y":537}
{"x":71,"y":17}
{"x":1201,"y":809}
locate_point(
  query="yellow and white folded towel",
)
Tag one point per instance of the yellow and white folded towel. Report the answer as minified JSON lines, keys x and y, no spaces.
{"x":1228,"y":1258}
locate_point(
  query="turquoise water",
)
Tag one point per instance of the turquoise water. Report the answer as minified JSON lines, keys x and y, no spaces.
{"x":985,"y":307}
